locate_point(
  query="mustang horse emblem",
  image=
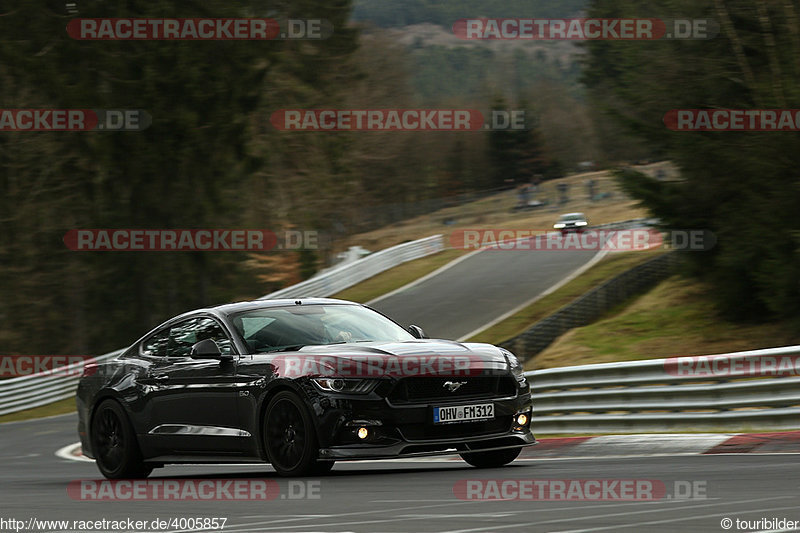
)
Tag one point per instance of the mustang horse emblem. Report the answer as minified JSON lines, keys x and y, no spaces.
{"x":453,"y":386}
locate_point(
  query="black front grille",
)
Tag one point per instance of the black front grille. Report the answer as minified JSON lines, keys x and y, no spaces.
{"x":424,"y":389}
{"x":456,"y":430}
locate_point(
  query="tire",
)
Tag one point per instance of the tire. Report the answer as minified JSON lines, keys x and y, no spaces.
{"x":290,"y":437}
{"x":114,"y":444}
{"x":493,"y":459}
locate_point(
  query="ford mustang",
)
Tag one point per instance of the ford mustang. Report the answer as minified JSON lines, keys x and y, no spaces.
{"x":299,"y":384}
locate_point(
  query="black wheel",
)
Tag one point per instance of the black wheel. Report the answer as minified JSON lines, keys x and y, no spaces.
{"x":492,"y":459}
{"x":114,"y":444}
{"x":290,"y":437}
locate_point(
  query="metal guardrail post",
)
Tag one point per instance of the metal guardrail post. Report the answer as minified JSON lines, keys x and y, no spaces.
{"x":752,"y":389}
{"x":345,"y":276}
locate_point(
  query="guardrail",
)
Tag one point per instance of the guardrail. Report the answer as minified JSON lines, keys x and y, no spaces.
{"x":637,"y":396}
{"x":36,"y":390}
{"x":345,"y":276}
{"x":734,"y":391}
{"x":340,"y":278}
{"x":627,"y":224}
{"x":587,"y":308}
{"x":611,"y":397}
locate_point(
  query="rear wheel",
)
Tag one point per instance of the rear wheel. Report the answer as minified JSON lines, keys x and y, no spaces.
{"x":491,"y":459}
{"x":114,"y":444}
{"x":290,"y":437}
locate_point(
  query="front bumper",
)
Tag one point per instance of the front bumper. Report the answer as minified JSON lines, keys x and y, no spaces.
{"x":397,"y":430}
{"x":429,"y":448}
{"x":573,"y":229}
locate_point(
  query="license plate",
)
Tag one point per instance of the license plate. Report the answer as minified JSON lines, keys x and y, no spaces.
{"x":463,"y":413}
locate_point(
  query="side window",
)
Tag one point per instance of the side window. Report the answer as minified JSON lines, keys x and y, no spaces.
{"x":181,"y":338}
{"x":156,"y":344}
{"x":208,"y":328}
{"x":184,"y":335}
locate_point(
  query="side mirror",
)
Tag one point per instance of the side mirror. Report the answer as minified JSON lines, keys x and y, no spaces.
{"x":208,"y":349}
{"x":416,"y":332}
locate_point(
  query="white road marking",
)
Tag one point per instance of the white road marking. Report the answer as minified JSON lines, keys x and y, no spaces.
{"x":426,"y":277}
{"x":68,"y":452}
{"x":65,"y":453}
{"x":452,"y":503}
{"x":574,"y":274}
{"x":661,"y":442}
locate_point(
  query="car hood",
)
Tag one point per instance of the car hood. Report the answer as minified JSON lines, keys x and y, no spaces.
{"x":402,"y":358}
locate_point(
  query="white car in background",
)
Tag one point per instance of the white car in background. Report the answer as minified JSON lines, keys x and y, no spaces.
{"x":571,"y":222}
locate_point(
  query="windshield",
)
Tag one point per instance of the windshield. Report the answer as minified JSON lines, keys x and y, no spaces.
{"x":292,"y":327}
{"x":571,"y":217}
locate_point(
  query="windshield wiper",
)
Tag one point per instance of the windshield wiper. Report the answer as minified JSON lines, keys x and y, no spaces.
{"x":290,"y":348}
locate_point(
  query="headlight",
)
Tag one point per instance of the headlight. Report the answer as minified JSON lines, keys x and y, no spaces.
{"x":515,"y":366}
{"x":581,"y":223}
{"x":348,"y":386}
{"x":559,"y":226}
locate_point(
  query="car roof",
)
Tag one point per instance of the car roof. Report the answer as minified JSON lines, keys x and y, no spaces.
{"x":573,"y":215}
{"x":236,"y":307}
{"x":223,"y":310}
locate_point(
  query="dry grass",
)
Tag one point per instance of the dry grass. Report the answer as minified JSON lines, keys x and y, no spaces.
{"x":397,"y":277}
{"x":607,"y":268}
{"x":55,"y":408}
{"x":675,"y":318}
{"x":496,"y":212}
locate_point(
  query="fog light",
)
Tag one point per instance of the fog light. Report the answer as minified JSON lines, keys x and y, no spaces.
{"x":522,"y":419}
{"x":362,"y":433}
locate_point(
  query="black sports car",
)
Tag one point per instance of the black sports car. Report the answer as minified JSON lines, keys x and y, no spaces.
{"x":299,"y":384}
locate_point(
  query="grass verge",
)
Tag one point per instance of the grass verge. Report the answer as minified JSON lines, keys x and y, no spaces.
{"x":675,"y":318}
{"x":496,"y":211}
{"x":607,"y":268}
{"x":55,"y":408}
{"x":398,"y":276}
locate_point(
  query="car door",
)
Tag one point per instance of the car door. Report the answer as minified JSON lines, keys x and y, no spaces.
{"x":193,"y":402}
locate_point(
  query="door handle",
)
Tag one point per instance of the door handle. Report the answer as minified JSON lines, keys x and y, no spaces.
{"x":161,"y":378}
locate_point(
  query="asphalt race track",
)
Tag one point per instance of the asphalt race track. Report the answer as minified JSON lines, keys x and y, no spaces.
{"x":414,"y":495}
{"x":692,"y":492}
{"x":479,"y":289}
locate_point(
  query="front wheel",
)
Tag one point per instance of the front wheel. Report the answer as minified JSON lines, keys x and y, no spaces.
{"x":491,"y":459}
{"x":290,"y":437}
{"x":114,"y":444}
